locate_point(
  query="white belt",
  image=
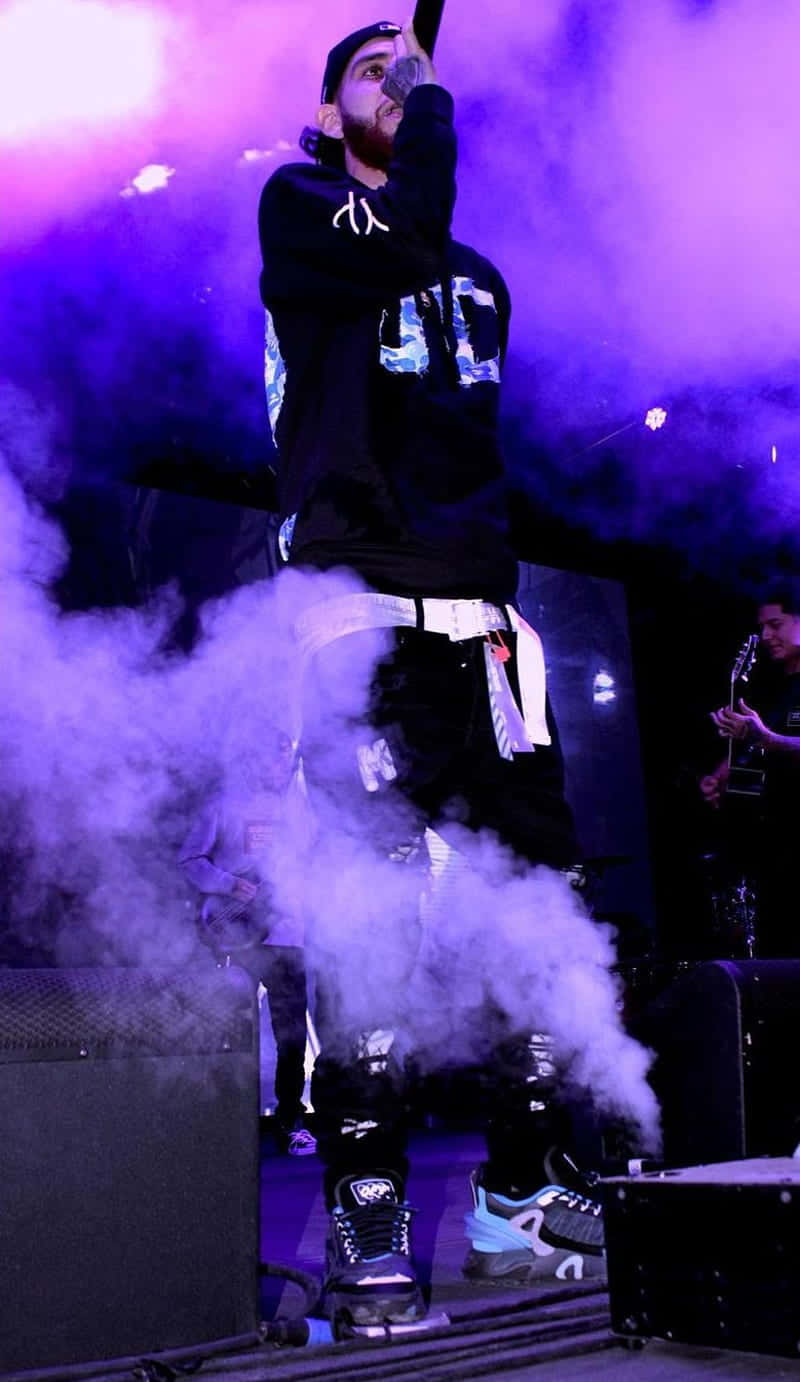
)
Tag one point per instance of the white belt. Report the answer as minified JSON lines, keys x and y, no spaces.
{"x":330,"y":619}
{"x":458,"y":620}
{"x":532,"y":679}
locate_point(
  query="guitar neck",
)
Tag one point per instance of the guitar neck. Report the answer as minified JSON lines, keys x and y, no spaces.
{"x":745,"y":777}
{"x":731,"y":706}
{"x":230,"y":912}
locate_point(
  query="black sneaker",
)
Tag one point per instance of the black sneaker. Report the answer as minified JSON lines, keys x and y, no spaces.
{"x":556,"y":1232}
{"x":293,"y":1139}
{"x":370,"y":1277}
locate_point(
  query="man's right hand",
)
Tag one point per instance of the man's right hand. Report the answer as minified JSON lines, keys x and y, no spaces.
{"x":411,"y":67}
{"x":713,"y":785}
{"x":244,"y":890}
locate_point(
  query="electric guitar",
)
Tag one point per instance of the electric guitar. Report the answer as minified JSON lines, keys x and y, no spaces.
{"x":731,"y":888}
{"x":228,"y":925}
{"x":745,"y":762}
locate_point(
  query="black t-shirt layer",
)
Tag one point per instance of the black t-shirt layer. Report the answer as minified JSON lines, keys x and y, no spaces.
{"x":385,"y":343}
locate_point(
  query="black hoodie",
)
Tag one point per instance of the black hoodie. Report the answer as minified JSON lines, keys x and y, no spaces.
{"x":385,"y":340}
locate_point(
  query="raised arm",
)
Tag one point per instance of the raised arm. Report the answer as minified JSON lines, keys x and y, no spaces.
{"x":325,"y":235}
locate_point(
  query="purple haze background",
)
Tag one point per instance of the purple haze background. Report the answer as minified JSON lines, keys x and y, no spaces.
{"x":630,"y":168}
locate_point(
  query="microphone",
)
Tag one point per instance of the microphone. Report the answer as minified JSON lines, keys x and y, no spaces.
{"x":427,"y":18}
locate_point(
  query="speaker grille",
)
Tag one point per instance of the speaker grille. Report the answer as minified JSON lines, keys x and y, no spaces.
{"x":52,"y":1014}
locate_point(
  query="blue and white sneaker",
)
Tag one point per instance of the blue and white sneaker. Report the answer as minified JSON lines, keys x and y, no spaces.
{"x":556,"y":1233}
{"x":370,"y":1277}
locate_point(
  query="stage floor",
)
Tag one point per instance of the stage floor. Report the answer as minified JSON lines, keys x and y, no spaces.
{"x":555,"y":1334}
{"x":293,"y":1232}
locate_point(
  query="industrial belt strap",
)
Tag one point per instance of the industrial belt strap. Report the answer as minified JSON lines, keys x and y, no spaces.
{"x":458,"y":620}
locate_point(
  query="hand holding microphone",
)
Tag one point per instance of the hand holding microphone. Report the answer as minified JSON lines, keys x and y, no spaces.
{"x":412,"y":66}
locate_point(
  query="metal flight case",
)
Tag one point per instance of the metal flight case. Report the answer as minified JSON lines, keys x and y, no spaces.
{"x":707,"y":1255}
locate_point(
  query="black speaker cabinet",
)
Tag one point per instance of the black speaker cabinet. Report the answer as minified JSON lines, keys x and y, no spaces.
{"x":708,"y":1255}
{"x":128,"y":1162}
{"x":726,"y":1037}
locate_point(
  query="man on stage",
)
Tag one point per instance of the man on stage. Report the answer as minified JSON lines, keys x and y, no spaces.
{"x":385,"y":344}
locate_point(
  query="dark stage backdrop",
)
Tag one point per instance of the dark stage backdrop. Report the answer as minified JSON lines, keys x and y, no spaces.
{"x":583,"y":623}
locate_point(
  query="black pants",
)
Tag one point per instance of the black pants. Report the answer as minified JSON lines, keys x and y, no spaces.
{"x":429,"y":702}
{"x":281,"y":969}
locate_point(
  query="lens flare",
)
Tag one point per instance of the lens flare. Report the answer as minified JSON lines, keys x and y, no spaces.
{"x":68,"y":64}
{"x":655,"y":419}
{"x":154,"y":177}
{"x":604,"y":688}
{"x":256,"y":156}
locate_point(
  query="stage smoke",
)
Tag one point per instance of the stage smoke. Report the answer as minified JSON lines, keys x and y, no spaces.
{"x":109,"y":742}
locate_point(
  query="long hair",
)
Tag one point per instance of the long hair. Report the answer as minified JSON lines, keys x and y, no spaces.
{"x":323,"y":149}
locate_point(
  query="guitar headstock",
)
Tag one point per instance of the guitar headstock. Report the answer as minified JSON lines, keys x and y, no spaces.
{"x":745,"y":658}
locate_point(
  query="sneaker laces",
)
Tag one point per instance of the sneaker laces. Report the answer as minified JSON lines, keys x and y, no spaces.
{"x":572,"y":1220}
{"x":302,"y":1142}
{"x":374,"y":1231}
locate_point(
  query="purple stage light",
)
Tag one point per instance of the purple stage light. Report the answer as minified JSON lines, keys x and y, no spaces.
{"x":604,"y":688}
{"x":154,"y":177}
{"x":66,"y":65}
{"x":249,"y":156}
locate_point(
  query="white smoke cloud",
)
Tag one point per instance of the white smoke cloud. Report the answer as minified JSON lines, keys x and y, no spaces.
{"x":108,"y":743}
{"x":492,"y":939}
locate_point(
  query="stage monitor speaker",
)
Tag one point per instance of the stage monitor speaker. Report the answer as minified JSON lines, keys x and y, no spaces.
{"x":129,"y":1164}
{"x":726,"y":1037}
{"x":708,"y":1255}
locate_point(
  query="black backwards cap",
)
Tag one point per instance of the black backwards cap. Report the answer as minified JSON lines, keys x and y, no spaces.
{"x":312,"y":141}
{"x":339,"y":57}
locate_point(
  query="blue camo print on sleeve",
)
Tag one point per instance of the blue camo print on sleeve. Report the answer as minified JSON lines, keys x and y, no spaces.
{"x":285,"y":536}
{"x":411,"y":357}
{"x":274,"y":373}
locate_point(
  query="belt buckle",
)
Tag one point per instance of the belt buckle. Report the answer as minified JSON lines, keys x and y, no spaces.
{"x":466,"y":620}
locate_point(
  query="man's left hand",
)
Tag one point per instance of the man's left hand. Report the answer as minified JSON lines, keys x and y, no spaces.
{"x":744,"y":723}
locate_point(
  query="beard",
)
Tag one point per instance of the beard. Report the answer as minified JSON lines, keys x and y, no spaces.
{"x":368,"y":141}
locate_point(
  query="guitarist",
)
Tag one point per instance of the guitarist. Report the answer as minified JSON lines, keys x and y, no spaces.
{"x":232,"y":855}
{"x":771,"y":735}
